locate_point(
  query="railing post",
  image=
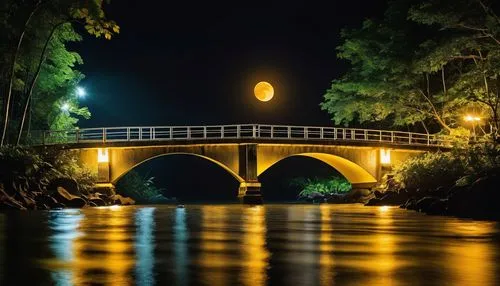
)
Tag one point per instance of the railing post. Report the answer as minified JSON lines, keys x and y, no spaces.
{"x":104,"y":135}
{"x":204,"y":132}
{"x":238,"y":131}
{"x":366,"y":135}
{"x":321,"y":133}
{"x":272,"y":131}
{"x":128,"y":133}
{"x":306,"y":135}
{"x":380,"y":136}
{"x":188,"y":132}
{"x":171,"y":131}
{"x":254,"y":131}
{"x":409,"y":138}
{"x":392,"y":136}
{"x":222,"y":132}
{"x":140,"y":133}
{"x":343,"y":134}
{"x":353,"y":134}
{"x":428,"y":139}
{"x":151,"y":135}
{"x":289,"y":132}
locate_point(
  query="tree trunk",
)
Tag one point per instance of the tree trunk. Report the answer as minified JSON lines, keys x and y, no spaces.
{"x":35,"y":78}
{"x":12,"y":73}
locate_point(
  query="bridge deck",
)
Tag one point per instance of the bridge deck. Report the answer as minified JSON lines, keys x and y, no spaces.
{"x":246,"y":133}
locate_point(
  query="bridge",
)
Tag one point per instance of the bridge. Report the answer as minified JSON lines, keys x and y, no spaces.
{"x":244,"y":151}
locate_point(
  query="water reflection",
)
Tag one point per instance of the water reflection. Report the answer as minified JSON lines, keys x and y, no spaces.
{"x":144,"y":246}
{"x":255,"y":255}
{"x":180,"y":245}
{"x":234,"y":245}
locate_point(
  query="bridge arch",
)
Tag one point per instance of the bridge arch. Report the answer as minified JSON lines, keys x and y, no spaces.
{"x":355,"y":174}
{"x":223,"y":166}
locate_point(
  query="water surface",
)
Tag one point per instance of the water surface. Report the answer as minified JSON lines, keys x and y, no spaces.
{"x":244,"y":245}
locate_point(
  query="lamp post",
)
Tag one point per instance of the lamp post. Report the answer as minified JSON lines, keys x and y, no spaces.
{"x":473,"y":119}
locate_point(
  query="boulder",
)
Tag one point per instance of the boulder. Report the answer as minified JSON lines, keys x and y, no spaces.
{"x":410,"y":204}
{"x":9,"y":203}
{"x":69,"y":200}
{"x":378,"y":194}
{"x":49,"y":201}
{"x":68,"y":184}
{"x":95,"y":200}
{"x":336,"y":199}
{"x":394,"y":198}
{"x":438,"y":207}
{"x":424,"y":203}
{"x":374,"y":202}
{"x":120,"y":200}
{"x":25,"y":200}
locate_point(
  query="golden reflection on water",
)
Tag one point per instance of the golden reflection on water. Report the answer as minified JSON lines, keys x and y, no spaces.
{"x":470,"y":261}
{"x":99,"y":244}
{"x":214,"y":257}
{"x":326,"y":247}
{"x":255,"y":255}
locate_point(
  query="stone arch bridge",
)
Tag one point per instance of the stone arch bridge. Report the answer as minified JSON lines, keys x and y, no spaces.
{"x":245,"y":151}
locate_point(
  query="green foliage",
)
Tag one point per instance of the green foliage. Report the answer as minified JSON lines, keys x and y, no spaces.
{"x":32,"y":170}
{"x":36,"y":59}
{"x":140,"y":188}
{"x":310,"y":187}
{"x":426,"y":62}
{"x":459,"y":167}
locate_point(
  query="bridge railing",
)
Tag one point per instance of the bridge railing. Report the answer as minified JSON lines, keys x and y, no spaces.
{"x":241,"y":131}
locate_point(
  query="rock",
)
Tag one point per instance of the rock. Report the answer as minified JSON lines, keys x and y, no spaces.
{"x":9,"y":203}
{"x":424,"y":203}
{"x":107,"y":190}
{"x":119,"y":200}
{"x":69,"y":200}
{"x":49,"y":201}
{"x":359,"y":196}
{"x":374,"y":202}
{"x":394,"y":198}
{"x":25,"y":200}
{"x":410,"y":204}
{"x":438,"y":207}
{"x":68,"y":184}
{"x":95,"y":200}
{"x":336,"y":198}
{"x":378,"y":194}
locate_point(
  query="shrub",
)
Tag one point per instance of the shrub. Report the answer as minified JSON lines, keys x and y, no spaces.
{"x":310,"y":187}
{"x":140,"y":188}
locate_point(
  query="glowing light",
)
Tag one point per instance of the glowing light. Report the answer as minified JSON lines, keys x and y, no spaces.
{"x":384,"y":209}
{"x":80,"y":92}
{"x":385,"y":157}
{"x":264,"y":91}
{"x":65,"y":107}
{"x":114,"y":207}
{"x":472,"y":118}
{"x":102,"y":155}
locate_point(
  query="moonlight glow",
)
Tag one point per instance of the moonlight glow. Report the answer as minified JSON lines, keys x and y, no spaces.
{"x":264,"y":91}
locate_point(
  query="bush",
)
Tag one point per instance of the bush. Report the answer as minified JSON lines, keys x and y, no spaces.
{"x":458,"y":167}
{"x":141,"y":189}
{"x":311,"y":187}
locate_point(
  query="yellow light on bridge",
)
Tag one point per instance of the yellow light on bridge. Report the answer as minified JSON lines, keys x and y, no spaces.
{"x":385,"y":156}
{"x":102,"y":155}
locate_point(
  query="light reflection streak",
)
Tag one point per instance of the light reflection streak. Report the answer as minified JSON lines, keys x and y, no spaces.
{"x":213,"y":259}
{"x":144,"y":246}
{"x":181,"y":236}
{"x":255,"y":255}
{"x":326,"y":247}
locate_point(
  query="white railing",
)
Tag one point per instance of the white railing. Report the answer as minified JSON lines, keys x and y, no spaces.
{"x":228,"y":132}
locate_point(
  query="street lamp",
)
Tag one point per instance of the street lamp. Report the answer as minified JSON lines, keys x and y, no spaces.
{"x":80,"y":92}
{"x":473,"y":119}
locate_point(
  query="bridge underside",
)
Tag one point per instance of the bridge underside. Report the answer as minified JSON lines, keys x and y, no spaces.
{"x":361,"y":165}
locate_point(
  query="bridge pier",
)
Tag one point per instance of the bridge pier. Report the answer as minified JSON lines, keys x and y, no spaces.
{"x":249,"y":191}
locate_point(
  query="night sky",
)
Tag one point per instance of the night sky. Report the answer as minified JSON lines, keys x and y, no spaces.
{"x":187,"y":63}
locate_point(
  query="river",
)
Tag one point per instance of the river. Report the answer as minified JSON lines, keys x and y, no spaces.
{"x":245,"y":245}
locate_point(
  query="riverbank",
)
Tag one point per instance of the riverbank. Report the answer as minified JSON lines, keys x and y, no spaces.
{"x":478,"y":200}
{"x":59,"y":193}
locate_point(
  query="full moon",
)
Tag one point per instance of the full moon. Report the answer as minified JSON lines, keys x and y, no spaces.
{"x":264,"y":91}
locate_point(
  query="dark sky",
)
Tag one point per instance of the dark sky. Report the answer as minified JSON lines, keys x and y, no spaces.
{"x":186,"y":63}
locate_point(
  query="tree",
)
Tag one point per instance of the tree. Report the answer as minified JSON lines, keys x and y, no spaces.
{"x":425,"y":63}
{"x":30,"y":27}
